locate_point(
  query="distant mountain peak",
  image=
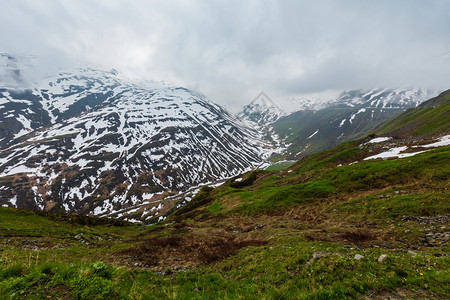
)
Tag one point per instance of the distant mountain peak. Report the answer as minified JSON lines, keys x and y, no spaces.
{"x":262,"y":110}
{"x":264,"y":100}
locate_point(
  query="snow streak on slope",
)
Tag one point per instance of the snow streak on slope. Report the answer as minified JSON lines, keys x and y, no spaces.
{"x":262,"y":110}
{"x":374,"y":98}
{"x":104,"y":144}
{"x":350,"y":116}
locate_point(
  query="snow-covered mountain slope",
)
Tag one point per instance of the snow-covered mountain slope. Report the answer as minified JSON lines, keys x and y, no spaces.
{"x":262,"y":110}
{"x":352,"y":115}
{"x":90,"y":141}
{"x":374,"y":98}
{"x":260,"y":114}
{"x":383,"y":98}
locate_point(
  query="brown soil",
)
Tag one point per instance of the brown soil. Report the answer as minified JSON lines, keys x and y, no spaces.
{"x":175,"y":251}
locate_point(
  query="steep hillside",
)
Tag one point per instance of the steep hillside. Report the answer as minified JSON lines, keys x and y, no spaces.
{"x":367,"y":219}
{"x":372,"y":229}
{"x":92,"y":142}
{"x":262,"y":110}
{"x":431,"y":117}
{"x":352,"y":115}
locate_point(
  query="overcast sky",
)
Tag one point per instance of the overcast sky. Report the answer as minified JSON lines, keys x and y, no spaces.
{"x":230,"y":50}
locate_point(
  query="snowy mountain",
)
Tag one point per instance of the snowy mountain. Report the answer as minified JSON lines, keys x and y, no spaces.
{"x":383,"y":98}
{"x":374,"y":98}
{"x":92,"y":142}
{"x":262,"y":110}
{"x":325,"y":124}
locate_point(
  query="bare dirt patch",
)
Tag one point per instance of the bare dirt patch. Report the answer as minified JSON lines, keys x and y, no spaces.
{"x":186,"y":251}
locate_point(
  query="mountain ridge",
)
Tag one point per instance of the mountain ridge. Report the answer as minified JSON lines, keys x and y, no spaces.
{"x":366,"y":219}
{"x":351,"y":116}
{"x":262,"y":110}
{"x":90,"y":142}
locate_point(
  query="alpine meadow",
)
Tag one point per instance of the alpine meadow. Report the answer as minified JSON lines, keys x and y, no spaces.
{"x":224,"y":150}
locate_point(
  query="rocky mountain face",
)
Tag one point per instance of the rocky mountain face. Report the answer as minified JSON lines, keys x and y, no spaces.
{"x":324,"y":124}
{"x":260,"y":114}
{"x":262,"y":110}
{"x":92,"y":142}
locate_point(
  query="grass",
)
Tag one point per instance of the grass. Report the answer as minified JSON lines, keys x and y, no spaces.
{"x":429,"y":118}
{"x":314,"y":231}
{"x":279,"y":166}
{"x":284,"y":196}
{"x":316,"y":179}
{"x":291,"y":268}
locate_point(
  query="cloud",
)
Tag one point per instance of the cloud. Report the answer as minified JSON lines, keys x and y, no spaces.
{"x":230,"y":50}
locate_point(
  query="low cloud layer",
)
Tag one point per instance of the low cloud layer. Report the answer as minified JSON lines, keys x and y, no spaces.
{"x":230,"y":50}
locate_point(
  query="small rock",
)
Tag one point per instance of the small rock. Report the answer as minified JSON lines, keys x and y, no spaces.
{"x":358,"y":256}
{"x":412,"y":252}
{"x":382,"y":257}
{"x":407,"y":231}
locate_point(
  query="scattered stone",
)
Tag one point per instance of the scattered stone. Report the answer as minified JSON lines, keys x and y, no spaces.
{"x":317,"y":255}
{"x":412,"y":252}
{"x":436,"y":238}
{"x":358,"y":256}
{"x":234,"y":230}
{"x":428,"y":220}
{"x":258,"y":227}
{"x":382,"y":257}
{"x":441,"y":254}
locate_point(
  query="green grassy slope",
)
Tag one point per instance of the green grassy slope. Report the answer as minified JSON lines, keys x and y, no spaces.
{"x":331,"y":226}
{"x":296,"y":129}
{"x":295,"y":234}
{"x":431,"y":117}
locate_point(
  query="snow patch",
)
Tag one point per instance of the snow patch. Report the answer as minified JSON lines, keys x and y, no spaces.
{"x":313,"y":134}
{"x":443,"y":141}
{"x":379,"y":140}
{"x":13,"y":201}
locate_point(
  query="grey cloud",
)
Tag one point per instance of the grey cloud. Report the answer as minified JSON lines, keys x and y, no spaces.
{"x":229,"y":50}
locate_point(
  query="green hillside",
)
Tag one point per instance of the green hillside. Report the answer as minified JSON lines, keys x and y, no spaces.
{"x":430,"y":118}
{"x":331,"y":226}
{"x":297,"y":129}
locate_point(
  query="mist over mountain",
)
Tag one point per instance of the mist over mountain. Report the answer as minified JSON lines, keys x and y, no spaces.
{"x":319,"y":124}
{"x":91,"y":141}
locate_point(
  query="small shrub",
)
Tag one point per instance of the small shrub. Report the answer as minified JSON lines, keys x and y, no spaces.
{"x":401,"y":273}
{"x":48,"y":268}
{"x":92,"y":287}
{"x":102,"y":270}
{"x":12,"y":271}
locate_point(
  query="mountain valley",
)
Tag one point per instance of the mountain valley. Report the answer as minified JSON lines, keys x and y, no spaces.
{"x":366,"y":219}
